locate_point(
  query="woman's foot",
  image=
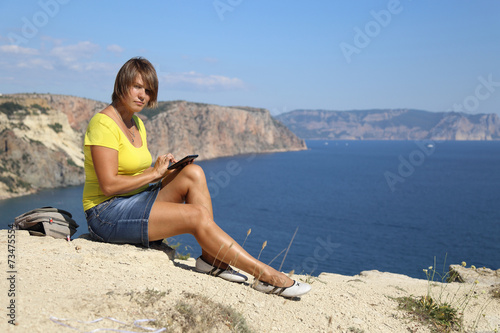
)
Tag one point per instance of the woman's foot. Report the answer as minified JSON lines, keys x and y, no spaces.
{"x":273,"y":277}
{"x":213,"y":261}
{"x":226,"y":273}
{"x":295,"y":290}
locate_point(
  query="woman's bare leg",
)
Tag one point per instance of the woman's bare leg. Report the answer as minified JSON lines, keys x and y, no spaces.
{"x":189,"y":185}
{"x":169,"y":217}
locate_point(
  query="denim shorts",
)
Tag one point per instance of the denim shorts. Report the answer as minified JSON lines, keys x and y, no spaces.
{"x":123,"y":220}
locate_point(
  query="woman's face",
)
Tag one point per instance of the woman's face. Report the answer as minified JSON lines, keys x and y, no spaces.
{"x":138,"y":95}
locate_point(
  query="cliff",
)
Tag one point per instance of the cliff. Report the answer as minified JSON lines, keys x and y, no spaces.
{"x":49,"y":291}
{"x":41,"y":141}
{"x":41,"y":136}
{"x":401,"y":124}
{"x":213,"y":131}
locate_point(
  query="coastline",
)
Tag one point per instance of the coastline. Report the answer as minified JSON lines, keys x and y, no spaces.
{"x":10,"y":195}
{"x":81,"y":281}
{"x":6,"y":194}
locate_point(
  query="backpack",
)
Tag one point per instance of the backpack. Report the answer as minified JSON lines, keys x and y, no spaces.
{"x":47,"y":221}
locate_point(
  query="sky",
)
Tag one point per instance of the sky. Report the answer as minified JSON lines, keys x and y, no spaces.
{"x":279,"y":55}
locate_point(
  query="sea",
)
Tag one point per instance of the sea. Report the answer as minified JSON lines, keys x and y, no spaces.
{"x":345,"y":207}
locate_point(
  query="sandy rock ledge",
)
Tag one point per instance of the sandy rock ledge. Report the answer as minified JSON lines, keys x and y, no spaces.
{"x":81,"y":281}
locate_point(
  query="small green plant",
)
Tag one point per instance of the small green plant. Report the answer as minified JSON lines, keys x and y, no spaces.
{"x":442,"y":318}
{"x":444,"y":314}
{"x":56,"y":127}
{"x":35,"y":142}
{"x":23,"y":184}
{"x":442,"y":310}
{"x":71,"y":162}
{"x":460,"y":300}
{"x":9,"y":108}
{"x":9,"y":182}
{"x":42,"y":109}
{"x":14,"y":184}
{"x":178,"y":254}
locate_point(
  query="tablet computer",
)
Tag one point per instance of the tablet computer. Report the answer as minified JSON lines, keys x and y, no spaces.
{"x":182,"y":162}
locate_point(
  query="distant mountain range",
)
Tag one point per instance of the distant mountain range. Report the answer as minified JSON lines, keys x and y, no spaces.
{"x":401,"y":124}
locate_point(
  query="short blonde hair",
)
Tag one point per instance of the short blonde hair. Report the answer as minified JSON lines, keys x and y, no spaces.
{"x":128,"y":73}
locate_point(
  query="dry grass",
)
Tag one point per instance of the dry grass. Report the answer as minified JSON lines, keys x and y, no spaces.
{"x":193,"y":313}
{"x":438,"y":317}
{"x":443,"y":310}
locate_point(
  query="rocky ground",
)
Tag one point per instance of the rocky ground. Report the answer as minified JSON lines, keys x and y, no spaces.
{"x":81,"y":285}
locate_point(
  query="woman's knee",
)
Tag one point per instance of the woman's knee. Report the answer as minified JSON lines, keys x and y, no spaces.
{"x":194,"y":172}
{"x":204,"y":224}
{"x":199,"y":218}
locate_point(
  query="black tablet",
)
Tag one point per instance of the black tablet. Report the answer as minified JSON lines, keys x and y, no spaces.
{"x":182,"y":162}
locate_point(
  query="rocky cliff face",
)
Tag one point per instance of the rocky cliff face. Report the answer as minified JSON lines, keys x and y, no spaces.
{"x":214,"y":131}
{"x":41,"y":136}
{"x":41,"y":141}
{"x":391,"y":125}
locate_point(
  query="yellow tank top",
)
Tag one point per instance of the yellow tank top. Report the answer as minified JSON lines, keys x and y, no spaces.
{"x":103,"y":131}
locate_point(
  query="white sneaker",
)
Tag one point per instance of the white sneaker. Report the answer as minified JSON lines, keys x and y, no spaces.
{"x":228,"y":274}
{"x":295,"y":290}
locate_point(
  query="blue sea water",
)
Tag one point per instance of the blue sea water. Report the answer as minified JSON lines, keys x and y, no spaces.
{"x":347,"y":206}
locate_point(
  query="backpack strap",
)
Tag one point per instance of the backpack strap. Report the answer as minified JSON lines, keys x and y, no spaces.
{"x":47,"y":209}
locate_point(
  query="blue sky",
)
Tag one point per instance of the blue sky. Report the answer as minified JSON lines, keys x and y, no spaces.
{"x":280,"y":55}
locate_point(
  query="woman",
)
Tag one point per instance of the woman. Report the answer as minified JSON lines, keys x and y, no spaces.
{"x":122,"y":207}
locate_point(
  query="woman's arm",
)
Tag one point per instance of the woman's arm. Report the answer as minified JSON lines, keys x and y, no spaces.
{"x":111,"y":183}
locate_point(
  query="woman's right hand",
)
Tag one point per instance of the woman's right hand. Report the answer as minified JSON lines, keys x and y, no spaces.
{"x":162,"y":163}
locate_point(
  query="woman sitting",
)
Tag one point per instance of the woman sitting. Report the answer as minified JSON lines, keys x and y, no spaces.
{"x":122,"y":207}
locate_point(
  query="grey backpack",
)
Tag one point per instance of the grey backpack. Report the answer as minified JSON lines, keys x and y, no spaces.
{"x":47,"y":221}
